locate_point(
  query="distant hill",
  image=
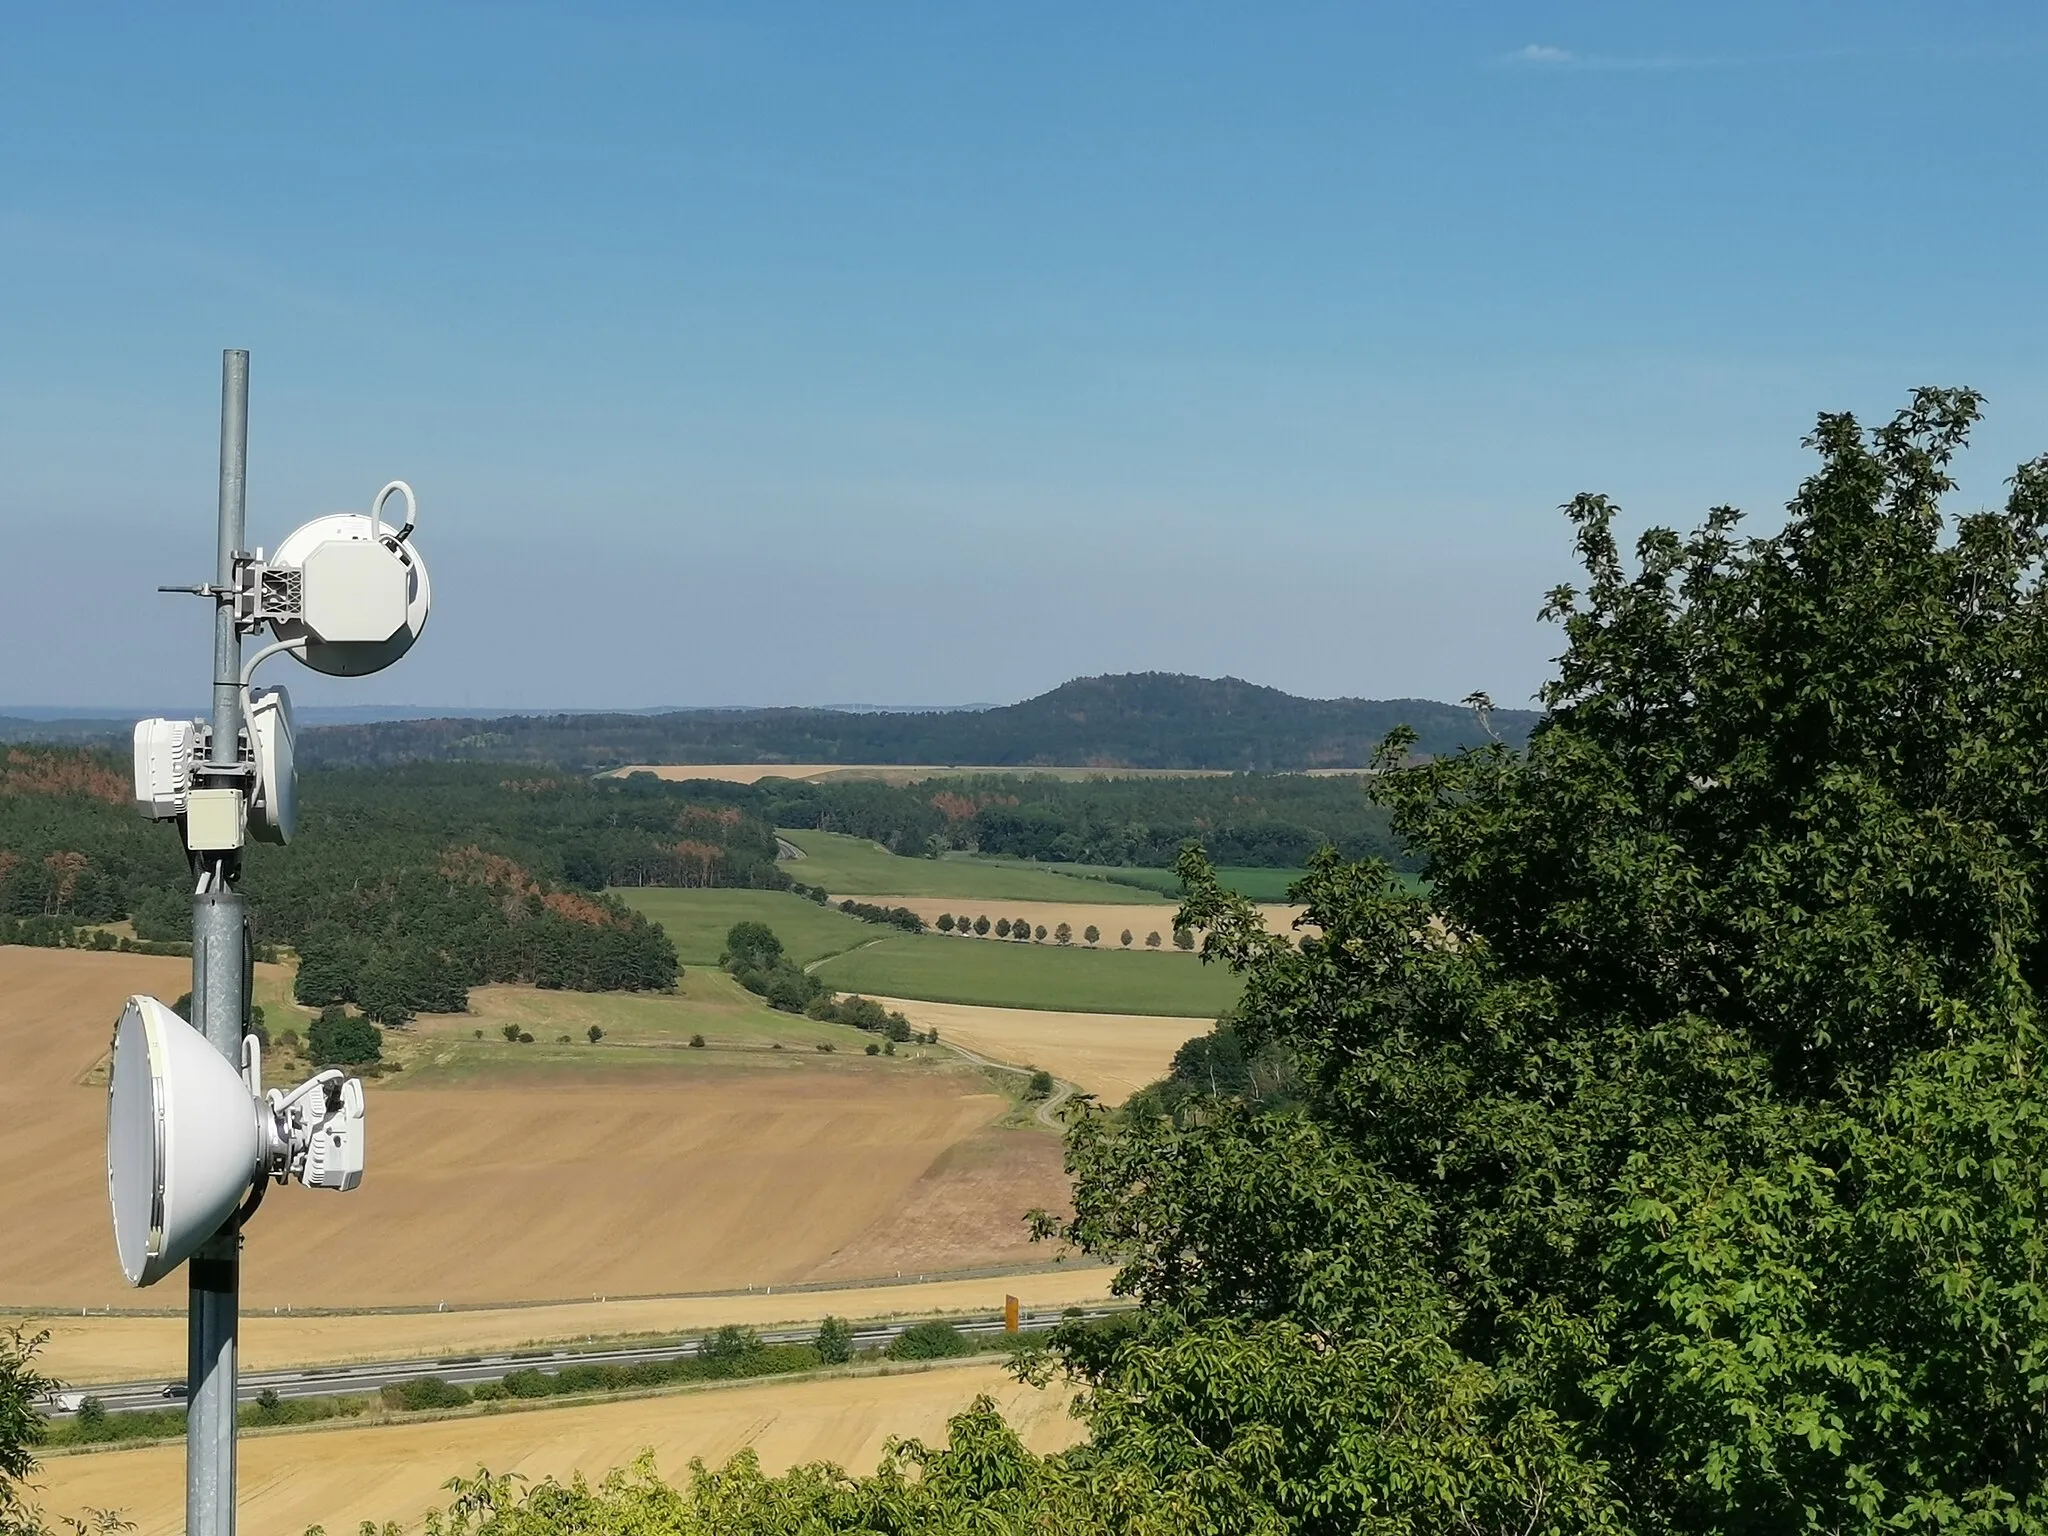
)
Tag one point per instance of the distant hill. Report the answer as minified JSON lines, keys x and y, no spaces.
{"x":1134,"y":720}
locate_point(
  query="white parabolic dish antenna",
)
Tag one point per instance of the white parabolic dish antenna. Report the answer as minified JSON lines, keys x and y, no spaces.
{"x":182,"y":1140}
{"x":365,"y":593}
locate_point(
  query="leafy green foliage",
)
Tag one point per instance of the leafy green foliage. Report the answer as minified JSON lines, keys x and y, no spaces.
{"x":835,"y":1336}
{"x":1675,"y":1165}
{"x":934,"y":1340}
{"x":424,"y":1393}
{"x":337,"y":1039}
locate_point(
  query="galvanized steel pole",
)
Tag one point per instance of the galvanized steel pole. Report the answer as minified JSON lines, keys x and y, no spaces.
{"x":219,"y":1001}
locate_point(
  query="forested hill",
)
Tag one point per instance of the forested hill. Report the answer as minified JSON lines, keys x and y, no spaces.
{"x":1136,"y":720}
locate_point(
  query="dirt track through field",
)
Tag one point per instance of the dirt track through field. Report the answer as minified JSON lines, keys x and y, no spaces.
{"x":84,"y":1350}
{"x":1111,"y":1055}
{"x":337,"y":1478}
{"x":553,"y":1190}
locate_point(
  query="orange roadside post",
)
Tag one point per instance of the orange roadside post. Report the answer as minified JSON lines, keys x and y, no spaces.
{"x":1009,"y":1314}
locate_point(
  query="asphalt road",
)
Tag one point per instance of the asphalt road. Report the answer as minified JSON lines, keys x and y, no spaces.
{"x":366,"y":1378}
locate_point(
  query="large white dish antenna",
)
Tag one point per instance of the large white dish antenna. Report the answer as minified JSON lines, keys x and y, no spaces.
{"x":182,"y":1140}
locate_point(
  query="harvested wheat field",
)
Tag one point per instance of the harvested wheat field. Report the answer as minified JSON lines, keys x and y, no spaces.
{"x":563,"y":1188}
{"x":337,"y":1478}
{"x":1110,"y":919}
{"x":1111,"y":1055}
{"x":86,"y":1350}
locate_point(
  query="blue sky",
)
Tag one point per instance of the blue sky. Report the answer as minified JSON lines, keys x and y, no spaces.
{"x":897,"y":354}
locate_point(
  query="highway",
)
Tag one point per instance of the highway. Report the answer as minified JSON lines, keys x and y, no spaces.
{"x":368,"y":1377}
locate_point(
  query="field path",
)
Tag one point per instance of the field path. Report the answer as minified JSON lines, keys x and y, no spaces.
{"x":1048,"y":1114}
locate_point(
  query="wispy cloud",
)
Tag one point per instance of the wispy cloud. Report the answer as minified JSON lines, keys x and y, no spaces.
{"x":1549,"y":56}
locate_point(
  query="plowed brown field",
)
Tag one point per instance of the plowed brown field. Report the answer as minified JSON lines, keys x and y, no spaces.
{"x":337,"y":1478}
{"x":659,"y":1182}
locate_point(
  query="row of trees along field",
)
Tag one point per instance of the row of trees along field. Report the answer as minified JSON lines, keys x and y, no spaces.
{"x":1672,"y":1165}
{"x":1266,"y":820}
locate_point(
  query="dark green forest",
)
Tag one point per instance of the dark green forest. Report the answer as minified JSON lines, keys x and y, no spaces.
{"x":1269,"y":820}
{"x":403,"y":888}
{"x":1139,"y":720}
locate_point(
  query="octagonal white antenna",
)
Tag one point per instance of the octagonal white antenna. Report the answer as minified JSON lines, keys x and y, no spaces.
{"x":363,"y":595}
{"x":182,"y":1140}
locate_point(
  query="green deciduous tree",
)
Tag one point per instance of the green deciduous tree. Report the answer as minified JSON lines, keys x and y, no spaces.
{"x":752,"y":946}
{"x":336,"y":1039}
{"x":835,"y":1336}
{"x":1674,"y":1164}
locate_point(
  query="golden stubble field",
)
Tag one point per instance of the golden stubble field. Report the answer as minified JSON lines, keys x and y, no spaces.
{"x":1111,"y":1055}
{"x":659,"y":1180}
{"x":337,"y":1478}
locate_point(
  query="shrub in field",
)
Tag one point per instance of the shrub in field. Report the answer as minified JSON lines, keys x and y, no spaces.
{"x":525,"y":1038}
{"x":1183,"y":938}
{"x":512,"y":1033}
{"x":1002,"y":927}
{"x":1152,"y":940}
{"x":696,"y":1042}
{"x":593,"y":1034}
{"x":827,"y":1047}
{"x":1091,"y":933}
{"x":1040,"y":1085}
{"x":1038,"y":933}
{"x":731,"y":1343}
{"x":981,"y":927}
{"x":335,"y":1039}
{"x":874,"y":1049}
{"x":422,"y":1393}
{"x":1064,"y":934}
{"x":835,"y":1337}
{"x":945,"y":922}
{"x":934,"y":1340}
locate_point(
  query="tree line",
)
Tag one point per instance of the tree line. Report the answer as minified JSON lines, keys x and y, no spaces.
{"x":1263,"y":820}
{"x":1152,"y":720}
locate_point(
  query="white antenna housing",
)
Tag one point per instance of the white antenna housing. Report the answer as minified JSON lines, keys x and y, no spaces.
{"x":164,"y":753}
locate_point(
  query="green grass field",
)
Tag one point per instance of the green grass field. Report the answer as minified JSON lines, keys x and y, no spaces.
{"x":697,"y":920}
{"x":643,"y":1032}
{"x":1009,"y":975}
{"x":853,"y":866}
